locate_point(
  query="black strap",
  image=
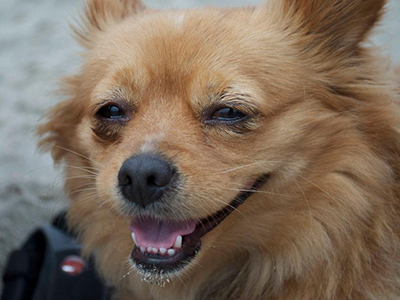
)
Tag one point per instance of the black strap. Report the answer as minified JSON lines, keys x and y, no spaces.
{"x":34,"y":272}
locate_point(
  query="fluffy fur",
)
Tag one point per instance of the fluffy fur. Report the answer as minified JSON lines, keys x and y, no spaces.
{"x":325,"y":225}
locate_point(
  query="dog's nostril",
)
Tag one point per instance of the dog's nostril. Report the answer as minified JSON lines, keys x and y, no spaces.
{"x":162,"y":179}
{"x":126,"y":180}
{"x":151,"y":180}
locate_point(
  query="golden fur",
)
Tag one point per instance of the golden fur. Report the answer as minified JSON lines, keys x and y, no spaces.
{"x":325,"y":225}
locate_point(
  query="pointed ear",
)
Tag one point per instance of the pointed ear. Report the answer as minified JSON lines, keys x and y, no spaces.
{"x":57,"y":130}
{"x":335,"y":24}
{"x":99,"y":14}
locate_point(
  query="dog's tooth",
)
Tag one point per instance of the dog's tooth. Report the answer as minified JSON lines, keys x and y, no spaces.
{"x":143,"y":249}
{"x":171,"y":252}
{"x":149,"y":249}
{"x":178,"y":242}
{"x":155,"y":250}
{"x":134,"y":238}
{"x":163,"y":251}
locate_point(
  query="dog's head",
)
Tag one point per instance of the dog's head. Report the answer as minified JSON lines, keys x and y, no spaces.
{"x":196,"y":131}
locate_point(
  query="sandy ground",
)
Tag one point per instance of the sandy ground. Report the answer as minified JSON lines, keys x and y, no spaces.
{"x":35,"y":50}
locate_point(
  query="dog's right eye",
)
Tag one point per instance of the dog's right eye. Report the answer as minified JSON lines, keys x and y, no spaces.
{"x":111,"y":111}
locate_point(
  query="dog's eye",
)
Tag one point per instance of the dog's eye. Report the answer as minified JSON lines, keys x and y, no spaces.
{"x":228,"y":114}
{"x":111,"y":111}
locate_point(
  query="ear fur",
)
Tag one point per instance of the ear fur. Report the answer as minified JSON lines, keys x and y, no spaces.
{"x":58,"y":127}
{"x":337,"y":25}
{"x":99,"y":14}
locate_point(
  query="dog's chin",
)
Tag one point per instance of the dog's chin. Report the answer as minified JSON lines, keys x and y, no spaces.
{"x":157,"y":265}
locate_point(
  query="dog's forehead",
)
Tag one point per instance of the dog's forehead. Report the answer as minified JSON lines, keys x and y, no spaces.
{"x":182,"y":45}
{"x":188,"y":53}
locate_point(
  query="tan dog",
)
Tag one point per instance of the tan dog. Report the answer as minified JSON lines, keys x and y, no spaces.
{"x":254,"y":153}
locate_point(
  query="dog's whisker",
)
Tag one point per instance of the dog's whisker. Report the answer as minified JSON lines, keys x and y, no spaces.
{"x":73,"y":152}
{"x":262,"y":163}
{"x":181,"y":280}
{"x":81,"y":190}
{"x":54,"y":183}
{"x":253,"y":191}
{"x":90,"y":197}
{"x":74,"y":177}
{"x":89,"y":178}
{"x":68,"y":195}
{"x":87,"y":184}
{"x":203,"y":207}
{"x":213,"y":249}
{"x":79,"y":161}
{"x":114,"y":207}
{"x":245,"y":217}
{"x":306,"y":200}
{"x":80,"y":177}
{"x":240,"y":167}
{"x":98,"y":208}
{"x":318,"y":187}
{"x":37,"y":169}
{"x":60,"y":217}
{"x":85,"y":169}
{"x":52,"y":186}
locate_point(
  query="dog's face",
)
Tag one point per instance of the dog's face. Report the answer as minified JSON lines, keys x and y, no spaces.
{"x":178,"y":120}
{"x":194,"y":130}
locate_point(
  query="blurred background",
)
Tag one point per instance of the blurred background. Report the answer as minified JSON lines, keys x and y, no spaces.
{"x":36,"y":49}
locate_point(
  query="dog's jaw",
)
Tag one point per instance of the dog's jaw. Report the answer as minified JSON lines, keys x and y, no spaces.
{"x":158,"y":265}
{"x":152,"y":276}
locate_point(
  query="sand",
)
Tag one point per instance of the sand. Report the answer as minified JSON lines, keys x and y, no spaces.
{"x":35,"y":50}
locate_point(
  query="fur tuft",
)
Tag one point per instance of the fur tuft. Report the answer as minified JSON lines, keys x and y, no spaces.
{"x":99,"y":14}
{"x":336,"y":26}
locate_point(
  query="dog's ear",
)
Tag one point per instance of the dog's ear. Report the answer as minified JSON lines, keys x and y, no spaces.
{"x":57,"y":132}
{"x":57,"y":129}
{"x":338,"y":25}
{"x":99,"y":14}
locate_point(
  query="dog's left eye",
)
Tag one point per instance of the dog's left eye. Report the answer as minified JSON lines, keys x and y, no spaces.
{"x":228,"y":114}
{"x":111,"y":111}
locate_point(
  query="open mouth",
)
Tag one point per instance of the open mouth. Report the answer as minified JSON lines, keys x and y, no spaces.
{"x":166,"y":246}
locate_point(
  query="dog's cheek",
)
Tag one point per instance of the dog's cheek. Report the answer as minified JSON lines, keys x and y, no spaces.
{"x":104,"y":164}
{"x":87,"y":141}
{"x":100,"y":152}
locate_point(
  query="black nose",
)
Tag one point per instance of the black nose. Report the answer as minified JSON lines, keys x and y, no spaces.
{"x":143,"y":179}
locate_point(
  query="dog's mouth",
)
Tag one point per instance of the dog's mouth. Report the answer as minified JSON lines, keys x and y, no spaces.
{"x":164,"y":246}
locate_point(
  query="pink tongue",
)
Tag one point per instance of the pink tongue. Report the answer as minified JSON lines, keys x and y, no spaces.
{"x":160,"y":234}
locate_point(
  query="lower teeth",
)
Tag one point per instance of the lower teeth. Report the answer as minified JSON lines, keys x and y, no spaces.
{"x":166,"y":253}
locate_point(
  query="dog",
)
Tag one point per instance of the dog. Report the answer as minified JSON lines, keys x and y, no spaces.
{"x":242,"y":153}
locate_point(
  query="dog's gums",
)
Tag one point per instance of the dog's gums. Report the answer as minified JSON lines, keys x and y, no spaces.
{"x":164,"y":246}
